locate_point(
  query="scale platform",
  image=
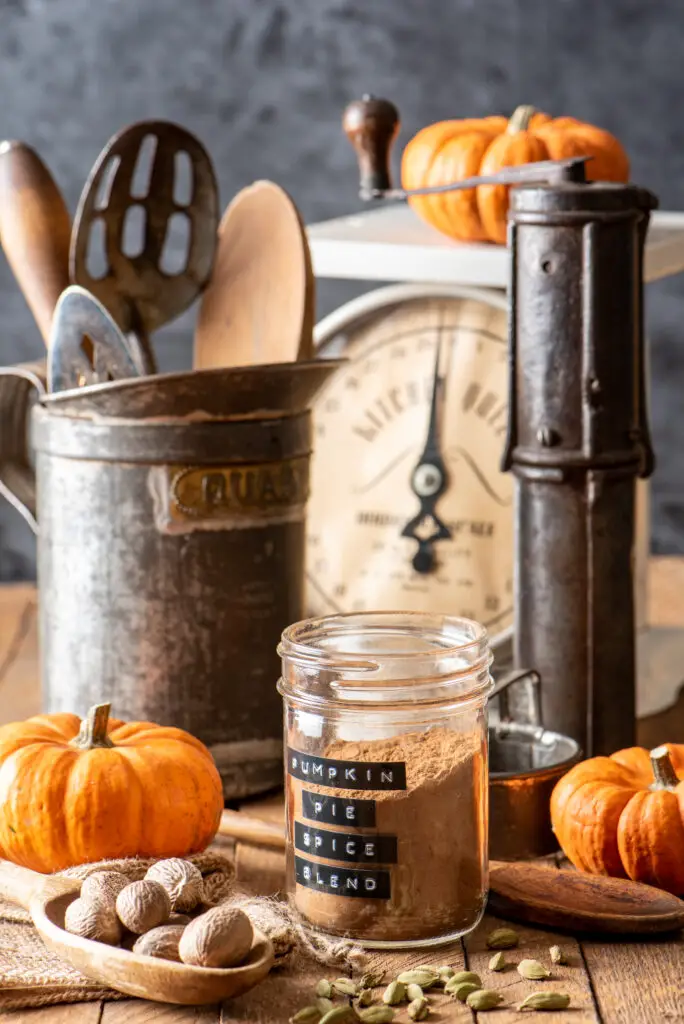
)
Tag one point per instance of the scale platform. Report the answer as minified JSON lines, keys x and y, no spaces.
{"x":392,"y":244}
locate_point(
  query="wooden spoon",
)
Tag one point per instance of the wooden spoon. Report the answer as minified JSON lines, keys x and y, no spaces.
{"x":34,"y":229}
{"x":259,"y":306}
{"x":525,"y":891}
{"x":46,"y":898}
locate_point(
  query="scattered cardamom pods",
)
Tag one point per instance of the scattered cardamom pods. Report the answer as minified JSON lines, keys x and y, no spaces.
{"x":461,"y":990}
{"x":324,"y":1004}
{"x":371,"y":979}
{"x":307,"y":1015}
{"x":339,"y":1015}
{"x":324,"y":988}
{"x":377,"y":1015}
{"x":413,"y":991}
{"x":419,"y":1008}
{"x":395,"y":993}
{"x":445,"y":972}
{"x":484,"y":999}
{"x":503,"y":938}
{"x":532,"y":970}
{"x":467,"y":976}
{"x":545,"y":1001}
{"x":498,"y":962}
{"x":557,"y":955}
{"x":344,"y":987}
{"x":426,"y":977}
{"x":365,"y":997}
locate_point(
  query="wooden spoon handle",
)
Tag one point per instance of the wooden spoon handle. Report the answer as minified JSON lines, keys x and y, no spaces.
{"x":34,"y":230}
{"x":22,"y":886}
{"x":236,"y":825}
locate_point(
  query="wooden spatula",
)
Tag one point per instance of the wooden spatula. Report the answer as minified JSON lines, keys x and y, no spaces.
{"x":525,"y":891}
{"x":259,"y":306}
{"x":46,"y":899}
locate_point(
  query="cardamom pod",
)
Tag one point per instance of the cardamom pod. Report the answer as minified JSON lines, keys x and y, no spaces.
{"x":467,"y":976}
{"x":498,"y":962}
{"x":395,"y":993}
{"x":532,"y":970}
{"x":339,"y":1015}
{"x":307,"y":1015}
{"x":461,"y":990}
{"x":413,"y":991}
{"x":445,"y":972}
{"x":344,"y":987}
{"x":365,"y":997}
{"x":377,"y":1015}
{"x":545,"y":1001}
{"x":557,"y":955}
{"x":503,"y":938}
{"x":426,"y":977}
{"x":419,"y":1008}
{"x":484,"y":999}
{"x":324,"y":1004}
{"x":371,"y":979}
{"x":324,"y":988}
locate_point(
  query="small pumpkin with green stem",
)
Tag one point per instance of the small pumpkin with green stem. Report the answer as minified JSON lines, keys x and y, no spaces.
{"x":623,"y":816}
{"x":74,"y":792}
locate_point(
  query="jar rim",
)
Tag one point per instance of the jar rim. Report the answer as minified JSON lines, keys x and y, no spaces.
{"x":450,"y":651}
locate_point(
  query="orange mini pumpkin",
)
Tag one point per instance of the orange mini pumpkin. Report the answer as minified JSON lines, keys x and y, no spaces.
{"x":453,"y":150}
{"x":73,"y":792}
{"x":623,"y":815}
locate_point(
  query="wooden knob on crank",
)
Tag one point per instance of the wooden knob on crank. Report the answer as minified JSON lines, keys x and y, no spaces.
{"x":371,"y":125}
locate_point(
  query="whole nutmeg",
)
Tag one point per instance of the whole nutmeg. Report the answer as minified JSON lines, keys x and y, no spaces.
{"x":181,"y":879}
{"x":179,"y":919}
{"x":161,"y":942}
{"x":103,"y":887}
{"x":143,"y":905}
{"x":220,"y":938}
{"x":93,"y":921}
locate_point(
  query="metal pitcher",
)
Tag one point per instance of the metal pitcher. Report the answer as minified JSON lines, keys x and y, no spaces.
{"x":170,"y":546}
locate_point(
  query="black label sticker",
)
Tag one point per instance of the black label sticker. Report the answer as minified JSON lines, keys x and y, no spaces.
{"x":343,"y":881}
{"x":323,"y":771}
{"x":335,"y":810}
{"x":345,"y":846}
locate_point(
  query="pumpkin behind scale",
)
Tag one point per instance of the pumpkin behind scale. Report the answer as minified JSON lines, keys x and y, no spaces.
{"x":74,"y":792}
{"x":453,"y":150}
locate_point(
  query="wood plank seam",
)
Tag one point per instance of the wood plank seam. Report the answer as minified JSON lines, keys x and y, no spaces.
{"x":20,"y":634}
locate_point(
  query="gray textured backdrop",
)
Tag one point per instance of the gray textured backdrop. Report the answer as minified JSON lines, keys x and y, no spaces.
{"x":263,"y":84}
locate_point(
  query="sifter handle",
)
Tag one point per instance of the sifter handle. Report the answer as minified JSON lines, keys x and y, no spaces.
{"x":372,"y":125}
{"x":34,"y":230}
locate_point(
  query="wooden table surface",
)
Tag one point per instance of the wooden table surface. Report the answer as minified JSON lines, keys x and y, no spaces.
{"x":611,"y":982}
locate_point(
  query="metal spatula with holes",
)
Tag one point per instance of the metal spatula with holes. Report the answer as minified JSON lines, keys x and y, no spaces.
{"x":145,"y":230}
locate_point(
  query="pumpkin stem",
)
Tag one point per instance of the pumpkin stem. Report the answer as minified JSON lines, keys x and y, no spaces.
{"x":663,"y":770}
{"x":519,"y":121}
{"x":93,"y":731}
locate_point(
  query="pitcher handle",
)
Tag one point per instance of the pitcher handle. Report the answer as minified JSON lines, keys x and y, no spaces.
{"x":20,"y":386}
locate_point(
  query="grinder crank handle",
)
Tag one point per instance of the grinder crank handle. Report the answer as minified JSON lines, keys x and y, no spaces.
{"x":372,"y":124}
{"x":536,"y":894}
{"x":35,"y":230}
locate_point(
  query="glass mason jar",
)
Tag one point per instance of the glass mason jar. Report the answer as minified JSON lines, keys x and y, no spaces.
{"x":386,"y":775}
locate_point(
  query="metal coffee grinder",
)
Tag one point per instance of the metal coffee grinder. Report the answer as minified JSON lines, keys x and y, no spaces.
{"x":578,"y":435}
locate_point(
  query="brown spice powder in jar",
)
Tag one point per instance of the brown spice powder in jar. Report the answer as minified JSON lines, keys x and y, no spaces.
{"x":437,"y":884}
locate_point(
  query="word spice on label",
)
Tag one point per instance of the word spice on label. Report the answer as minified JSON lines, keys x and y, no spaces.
{"x":324,"y":771}
{"x":345,"y":846}
{"x":343,"y":881}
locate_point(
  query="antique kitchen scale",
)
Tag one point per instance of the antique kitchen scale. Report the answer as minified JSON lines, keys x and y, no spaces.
{"x":419,"y":511}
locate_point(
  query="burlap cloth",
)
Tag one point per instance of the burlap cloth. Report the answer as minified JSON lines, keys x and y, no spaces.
{"x":30,"y":975}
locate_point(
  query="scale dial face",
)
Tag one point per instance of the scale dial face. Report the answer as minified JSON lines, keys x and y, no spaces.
{"x":373,"y":466}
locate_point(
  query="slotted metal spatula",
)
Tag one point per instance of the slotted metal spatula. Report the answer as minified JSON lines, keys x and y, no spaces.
{"x":86,"y":346}
{"x":133,"y":285}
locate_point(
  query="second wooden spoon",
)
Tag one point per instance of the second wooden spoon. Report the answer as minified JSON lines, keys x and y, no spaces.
{"x":259,"y":306}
